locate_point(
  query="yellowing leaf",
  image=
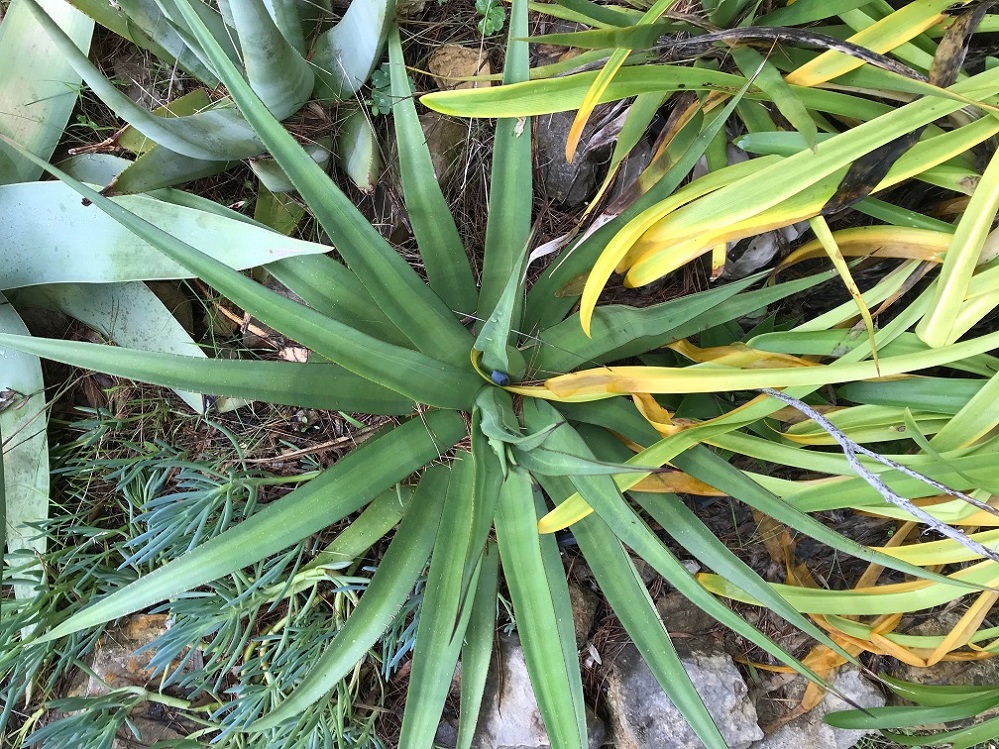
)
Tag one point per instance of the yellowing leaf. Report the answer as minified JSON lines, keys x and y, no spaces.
{"x":883,"y":36}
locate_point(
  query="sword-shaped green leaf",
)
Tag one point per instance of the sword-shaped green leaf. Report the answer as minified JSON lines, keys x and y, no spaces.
{"x":628,"y":597}
{"x":349,"y":484}
{"x":478,"y":644}
{"x":443,"y":617}
{"x":397,"y":572}
{"x":437,"y":237}
{"x":392,"y":283}
{"x":312,"y":385}
{"x":510,"y":195}
{"x":544,"y":615}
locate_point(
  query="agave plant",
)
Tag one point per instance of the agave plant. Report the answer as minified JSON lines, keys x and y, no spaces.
{"x":494,"y":426}
{"x":291,"y":57}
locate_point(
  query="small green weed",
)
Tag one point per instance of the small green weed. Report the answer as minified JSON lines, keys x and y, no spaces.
{"x":493,"y":17}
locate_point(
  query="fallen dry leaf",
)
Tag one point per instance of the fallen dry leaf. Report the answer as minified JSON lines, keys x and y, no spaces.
{"x":453,"y":61}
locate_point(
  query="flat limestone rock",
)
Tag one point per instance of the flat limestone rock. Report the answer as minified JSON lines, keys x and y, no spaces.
{"x":643,"y":717}
{"x":510,"y":718}
{"x":810,"y":732}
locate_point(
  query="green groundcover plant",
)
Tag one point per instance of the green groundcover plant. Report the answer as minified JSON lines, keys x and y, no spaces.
{"x":494,"y":426}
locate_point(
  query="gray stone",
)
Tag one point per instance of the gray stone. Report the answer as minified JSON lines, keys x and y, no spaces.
{"x":510,"y":718}
{"x":688,"y":625}
{"x":810,"y":732}
{"x":410,"y":8}
{"x":446,"y":736}
{"x":572,"y":184}
{"x":150,"y":732}
{"x":643,"y":717}
{"x":447,"y":143}
{"x":953,"y":673}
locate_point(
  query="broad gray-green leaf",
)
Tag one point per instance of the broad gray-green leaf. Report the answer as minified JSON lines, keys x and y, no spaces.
{"x":357,"y":150}
{"x":159,"y":18}
{"x":23,"y":421}
{"x":494,"y":338}
{"x":367,"y":529}
{"x":220,"y":133}
{"x":38,"y":88}
{"x":333,"y":289}
{"x":273,"y":177}
{"x":352,"y":482}
{"x":167,"y":45}
{"x":83,"y":245}
{"x":397,"y":572}
{"x":190,"y":103}
{"x":160,"y":167}
{"x":345,"y":55}
{"x":280,"y":211}
{"x":277,"y":72}
{"x":286,"y":14}
{"x":130,"y":315}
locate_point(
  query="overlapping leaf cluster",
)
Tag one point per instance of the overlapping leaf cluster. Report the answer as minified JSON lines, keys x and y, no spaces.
{"x":544,"y":433}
